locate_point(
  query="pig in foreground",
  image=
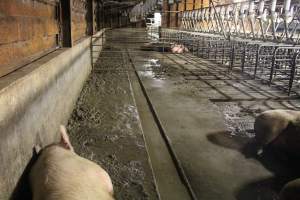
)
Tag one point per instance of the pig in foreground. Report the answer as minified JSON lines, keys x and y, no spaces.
{"x":279,"y":127}
{"x":291,"y":191}
{"x":60,"y":174}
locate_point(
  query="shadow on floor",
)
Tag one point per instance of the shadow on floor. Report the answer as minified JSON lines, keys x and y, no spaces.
{"x":283,"y":168}
{"x":265,"y":189}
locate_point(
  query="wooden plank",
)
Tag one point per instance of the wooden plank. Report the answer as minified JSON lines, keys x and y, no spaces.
{"x":15,"y":55}
{"x":79,"y":24}
{"x":8,"y":30}
{"x":197,"y":4}
{"x":173,"y":7}
{"x":26,"y":8}
{"x":189,"y":4}
{"x":165,"y":15}
{"x":181,"y":6}
{"x":27,"y":28}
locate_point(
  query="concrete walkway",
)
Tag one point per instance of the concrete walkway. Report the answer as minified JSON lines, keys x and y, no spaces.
{"x":167,"y":180}
{"x":208,"y":117}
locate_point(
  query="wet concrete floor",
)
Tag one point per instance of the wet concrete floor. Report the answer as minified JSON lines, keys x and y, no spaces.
{"x":206,"y":115}
{"x":105,"y":128}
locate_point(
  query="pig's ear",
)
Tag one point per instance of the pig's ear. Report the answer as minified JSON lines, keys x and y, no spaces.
{"x":64,"y":140}
{"x":36,"y":149}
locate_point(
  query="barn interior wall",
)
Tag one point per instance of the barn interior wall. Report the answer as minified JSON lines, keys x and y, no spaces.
{"x":28,"y":29}
{"x":80,"y":22}
{"x":40,"y":80}
{"x":34,"y":101}
{"x":170,"y":12}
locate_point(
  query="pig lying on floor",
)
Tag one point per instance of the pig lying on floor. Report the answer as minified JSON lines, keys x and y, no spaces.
{"x":60,"y":174}
{"x":178,"y":48}
{"x":280,"y":128}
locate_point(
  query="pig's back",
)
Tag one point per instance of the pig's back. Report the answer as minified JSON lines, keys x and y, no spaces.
{"x":60,"y":174}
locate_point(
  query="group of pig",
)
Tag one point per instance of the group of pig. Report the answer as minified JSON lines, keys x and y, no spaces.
{"x":178,"y":48}
{"x":59,"y":173}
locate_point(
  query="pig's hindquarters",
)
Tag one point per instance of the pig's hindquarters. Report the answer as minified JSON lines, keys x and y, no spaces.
{"x":62,"y":174}
{"x":270,"y":124}
{"x":291,"y":191}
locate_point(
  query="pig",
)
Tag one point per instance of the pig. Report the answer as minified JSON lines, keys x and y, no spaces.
{"x":271,"y":124}
{"x":185,"y":49}
{"x":288,"y":142}
{"x":174,"y":48}
{"x":60,"y":174}
{"x":178,"y":48}
{"x":291,"y":191}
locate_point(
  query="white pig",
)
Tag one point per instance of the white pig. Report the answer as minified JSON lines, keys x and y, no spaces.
{"x":174,"y":48}
{"x":60,"y":174}
{"x":272,"y":123}
{"x":178,"y":48}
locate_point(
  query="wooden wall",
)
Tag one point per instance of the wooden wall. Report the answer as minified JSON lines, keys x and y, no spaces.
{"x":165,"y":14}
{"x":27,"y":29}
{"x":30,"y":29}
{"x":169,"y":19}
{"x":173,"y":19}
{"x":79,"y":22}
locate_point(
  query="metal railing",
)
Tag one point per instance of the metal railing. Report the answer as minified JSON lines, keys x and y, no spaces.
{"x":273,"y":63}
{"x":260,"y":20}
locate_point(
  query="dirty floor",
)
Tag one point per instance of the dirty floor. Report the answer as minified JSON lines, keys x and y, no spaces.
{"x":205,"y":117}
{"x":105,"y":128}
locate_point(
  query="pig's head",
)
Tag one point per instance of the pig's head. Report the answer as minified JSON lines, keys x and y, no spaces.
{"x":64,"y":139}
{"x":64,"y":142}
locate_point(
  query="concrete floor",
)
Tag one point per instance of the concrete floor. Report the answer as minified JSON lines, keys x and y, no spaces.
{"x":207,"y":117}
{"x":105,"y":128}
{"x":210,"y":155}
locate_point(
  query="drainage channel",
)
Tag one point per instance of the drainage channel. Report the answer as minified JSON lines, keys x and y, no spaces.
{"x":165,"y":137}
{"x":104,"y":127}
